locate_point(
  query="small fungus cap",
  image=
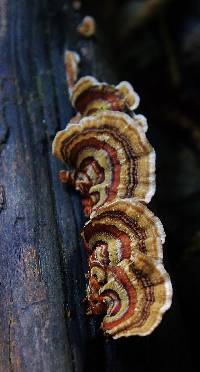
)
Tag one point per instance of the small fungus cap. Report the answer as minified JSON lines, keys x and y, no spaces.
{"x":71,"y":61}
{"x":87,"y":28}
{"x":89,"y":96}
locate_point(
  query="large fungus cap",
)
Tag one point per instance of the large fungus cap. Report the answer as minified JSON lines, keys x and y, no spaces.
{"x":137,"y":294}
{"x":89,"y":96}
{"x":122,"y":228}
{"x":112,"y":150}
{"x":127,"y":280}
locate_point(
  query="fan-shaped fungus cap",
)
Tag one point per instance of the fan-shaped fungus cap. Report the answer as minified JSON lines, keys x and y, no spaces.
{"x":90,"y":96}
{"x":136,"y":295}
{"x":127,"y":280}
{"x":113,"y":153}
{"x":120,"y":229}
{"x":126,"y":232}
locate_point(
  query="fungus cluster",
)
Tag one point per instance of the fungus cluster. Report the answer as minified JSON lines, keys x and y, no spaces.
{"x":112,"y":165}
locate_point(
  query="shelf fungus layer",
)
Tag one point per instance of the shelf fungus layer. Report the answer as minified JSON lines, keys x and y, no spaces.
{"x":112,"y":164}
{"x":135,"y":296}
{"x":89,"y":96}
{"x":127,"y":280}
{"x":111,"y":158}
{"x":122,"y":228}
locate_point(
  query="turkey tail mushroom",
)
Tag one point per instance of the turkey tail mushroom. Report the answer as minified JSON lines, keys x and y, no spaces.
{"x":90,"y":96}
{"x":127,"y":280}
{"x":112,"y":158}
{"x":113,"y":167}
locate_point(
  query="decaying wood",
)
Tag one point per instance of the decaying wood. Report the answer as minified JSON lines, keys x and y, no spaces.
{"x":44,"y":327}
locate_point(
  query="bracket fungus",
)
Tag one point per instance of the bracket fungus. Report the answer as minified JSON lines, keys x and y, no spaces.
{"x":89,"y":96}
{"x":113,"y":166}
{"x":136,"y":295}
{"x":123,"y":228}
{"x":111,"y":156}
{"x":127,"y":280}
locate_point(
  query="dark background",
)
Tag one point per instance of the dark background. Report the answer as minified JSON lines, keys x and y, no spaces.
{"x":154,"y":44}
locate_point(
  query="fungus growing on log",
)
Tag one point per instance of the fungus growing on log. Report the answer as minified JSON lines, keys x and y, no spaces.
{"x":135,"y":296}
{"x":122,"y":228}
{"x":89,"y":96}
{"x":113,"y":167}
{"x":127,"y":280}
{"x":111,"y":158}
